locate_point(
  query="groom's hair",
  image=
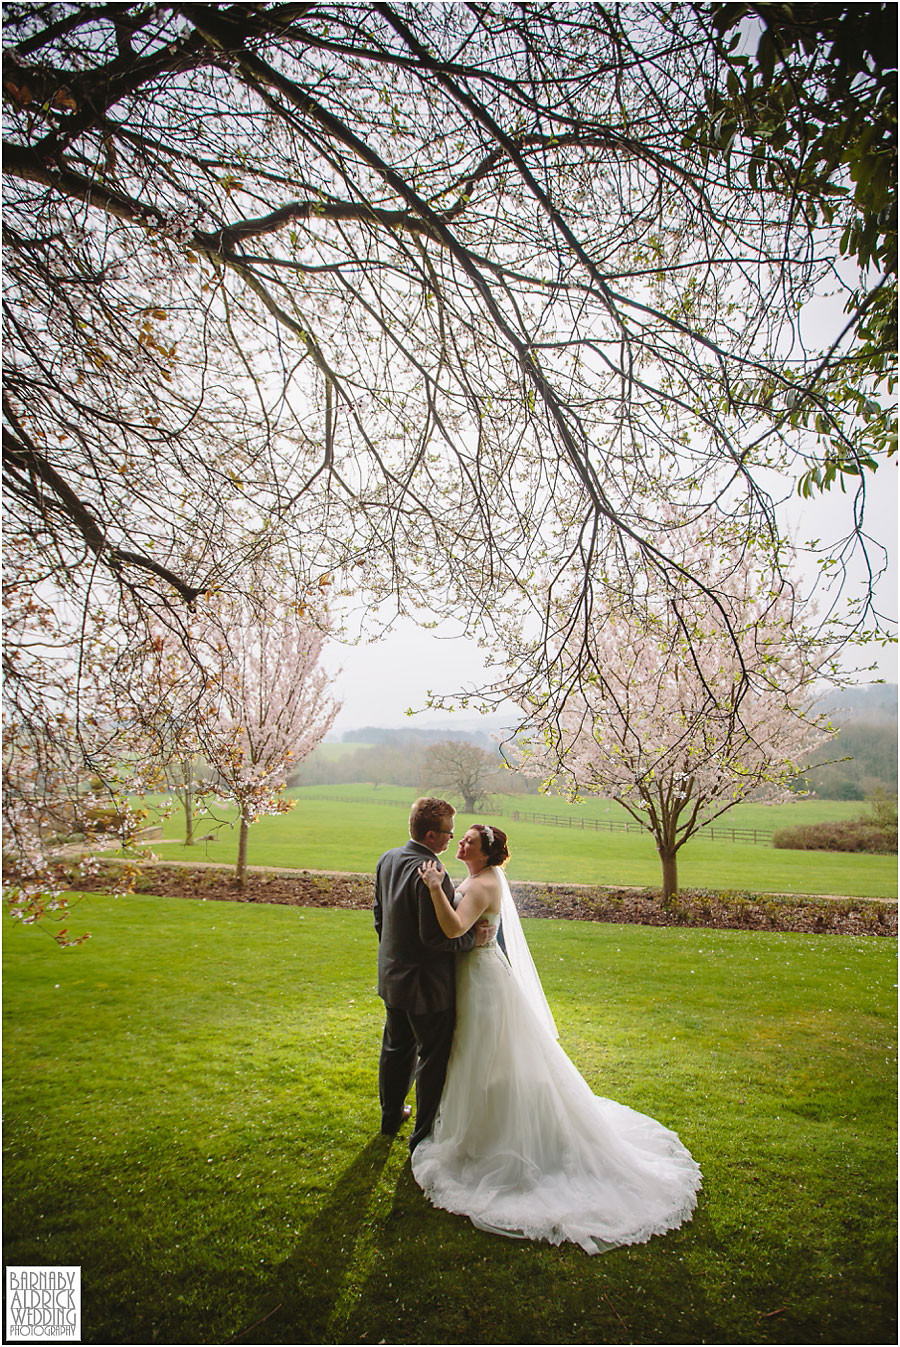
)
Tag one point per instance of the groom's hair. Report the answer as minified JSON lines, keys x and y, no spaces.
{"x":428,"y":814}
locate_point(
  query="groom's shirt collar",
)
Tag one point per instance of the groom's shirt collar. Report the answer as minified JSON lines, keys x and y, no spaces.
{"x":420,"y":846}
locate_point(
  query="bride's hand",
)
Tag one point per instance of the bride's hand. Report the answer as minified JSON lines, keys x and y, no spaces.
{"x":432,"y":872}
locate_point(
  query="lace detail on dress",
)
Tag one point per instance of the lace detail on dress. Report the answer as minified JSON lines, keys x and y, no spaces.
{"x":490,"y":919}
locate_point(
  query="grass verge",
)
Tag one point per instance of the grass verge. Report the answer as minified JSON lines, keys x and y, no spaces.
{"x":191,"y":1116}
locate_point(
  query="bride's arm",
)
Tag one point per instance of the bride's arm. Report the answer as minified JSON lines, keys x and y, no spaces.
{"x":453,"y":921}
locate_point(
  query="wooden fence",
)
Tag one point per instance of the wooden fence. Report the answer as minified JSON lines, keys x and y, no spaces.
{"x":716,"y":831}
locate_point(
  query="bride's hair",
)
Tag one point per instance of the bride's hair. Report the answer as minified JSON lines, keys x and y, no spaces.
{"x":493,"y":843}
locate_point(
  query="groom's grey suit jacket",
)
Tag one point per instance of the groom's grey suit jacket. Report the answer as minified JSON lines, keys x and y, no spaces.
{"x":416,"y":969}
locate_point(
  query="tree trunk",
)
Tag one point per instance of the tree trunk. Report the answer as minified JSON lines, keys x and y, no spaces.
{"x":469,"y":803}
{"x":186,"y":795}
{"x":188,"y":816}
{"x":241,"y":871}
{"x":670,"y":873}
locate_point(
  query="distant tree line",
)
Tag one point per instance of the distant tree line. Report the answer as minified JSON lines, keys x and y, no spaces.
{"x":870,"y":750}
{"x":863,"y":757}
{"x":853,"y":766}
{"x":379,"y":734}
{"x":459,"y":767}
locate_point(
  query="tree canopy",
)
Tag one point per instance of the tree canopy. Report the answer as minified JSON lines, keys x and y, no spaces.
{"x":440,"y":300}
{"x":812,"y":113}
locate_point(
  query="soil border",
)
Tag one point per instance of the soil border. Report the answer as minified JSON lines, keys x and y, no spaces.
{"x":818,"y":914}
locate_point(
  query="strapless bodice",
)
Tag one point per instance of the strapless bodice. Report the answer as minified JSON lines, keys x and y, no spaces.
{"x":491,"y":919}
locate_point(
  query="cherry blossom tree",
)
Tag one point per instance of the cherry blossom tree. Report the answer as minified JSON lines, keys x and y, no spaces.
{"x":122,"y":699}
{"x":237,"y":688}
{"x":267,"y":704}
{"x":73,"y":758}
{"x":699,"y":705}
{"x":185,"y":788}
{"x":324,"y":276}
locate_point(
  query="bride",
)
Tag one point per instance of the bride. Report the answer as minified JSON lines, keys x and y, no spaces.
{"x":520,"y":1144}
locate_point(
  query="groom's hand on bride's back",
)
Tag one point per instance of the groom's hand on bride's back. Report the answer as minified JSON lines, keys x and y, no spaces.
{"x":482,"y":932}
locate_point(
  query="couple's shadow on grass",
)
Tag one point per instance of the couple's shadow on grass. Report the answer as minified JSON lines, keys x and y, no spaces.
{"x":315,"y":1293}
{"x":307,"y":1289}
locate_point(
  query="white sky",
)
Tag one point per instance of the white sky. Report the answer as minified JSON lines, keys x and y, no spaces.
{"x":380,"y":681}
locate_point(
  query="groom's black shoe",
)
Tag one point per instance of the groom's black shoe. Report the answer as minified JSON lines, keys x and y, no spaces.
{"x":405,"y":1114}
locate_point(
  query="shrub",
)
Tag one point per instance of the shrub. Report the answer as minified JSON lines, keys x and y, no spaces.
{"x":848,"y":835}
{"x":882,"y":810}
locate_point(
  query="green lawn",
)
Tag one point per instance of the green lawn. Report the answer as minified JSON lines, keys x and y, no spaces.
{"x":329,"y":834}
{"x":191,"y":1116}
{"x":767,"y":817}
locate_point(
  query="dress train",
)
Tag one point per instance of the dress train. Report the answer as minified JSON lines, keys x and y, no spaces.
{"x":523,"y":1147}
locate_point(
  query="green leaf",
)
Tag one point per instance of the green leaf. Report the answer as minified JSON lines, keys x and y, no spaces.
{"x":765,"y":55}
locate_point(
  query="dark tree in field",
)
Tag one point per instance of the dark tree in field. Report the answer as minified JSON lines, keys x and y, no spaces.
{"x":462,"y":769}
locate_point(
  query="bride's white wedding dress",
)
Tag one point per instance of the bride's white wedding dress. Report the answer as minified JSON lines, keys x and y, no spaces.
{"x":520,"y":1144}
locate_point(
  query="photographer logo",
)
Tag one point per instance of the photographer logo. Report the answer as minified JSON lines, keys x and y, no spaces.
{"x":43,"y":1304}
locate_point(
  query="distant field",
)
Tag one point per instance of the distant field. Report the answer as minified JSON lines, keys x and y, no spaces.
{"x":334,"y":752}
{"x":767,"y":817}
{"x":327,"y":834}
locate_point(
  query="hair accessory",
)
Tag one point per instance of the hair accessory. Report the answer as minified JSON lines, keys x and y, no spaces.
{"x":489,"y":833}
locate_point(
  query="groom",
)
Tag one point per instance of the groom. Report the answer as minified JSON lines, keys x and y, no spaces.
{"x":416,"y":972}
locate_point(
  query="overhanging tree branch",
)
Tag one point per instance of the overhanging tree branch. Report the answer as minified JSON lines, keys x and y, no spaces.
{"x":35,"y":477}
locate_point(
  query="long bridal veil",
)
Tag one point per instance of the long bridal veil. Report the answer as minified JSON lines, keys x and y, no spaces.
{"x":519,"y":956}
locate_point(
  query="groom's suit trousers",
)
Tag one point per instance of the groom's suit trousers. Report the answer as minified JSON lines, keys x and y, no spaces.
{"x":414,"y":1046}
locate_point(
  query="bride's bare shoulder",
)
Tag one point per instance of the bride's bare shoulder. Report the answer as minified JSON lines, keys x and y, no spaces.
{"x":489,"y":882}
